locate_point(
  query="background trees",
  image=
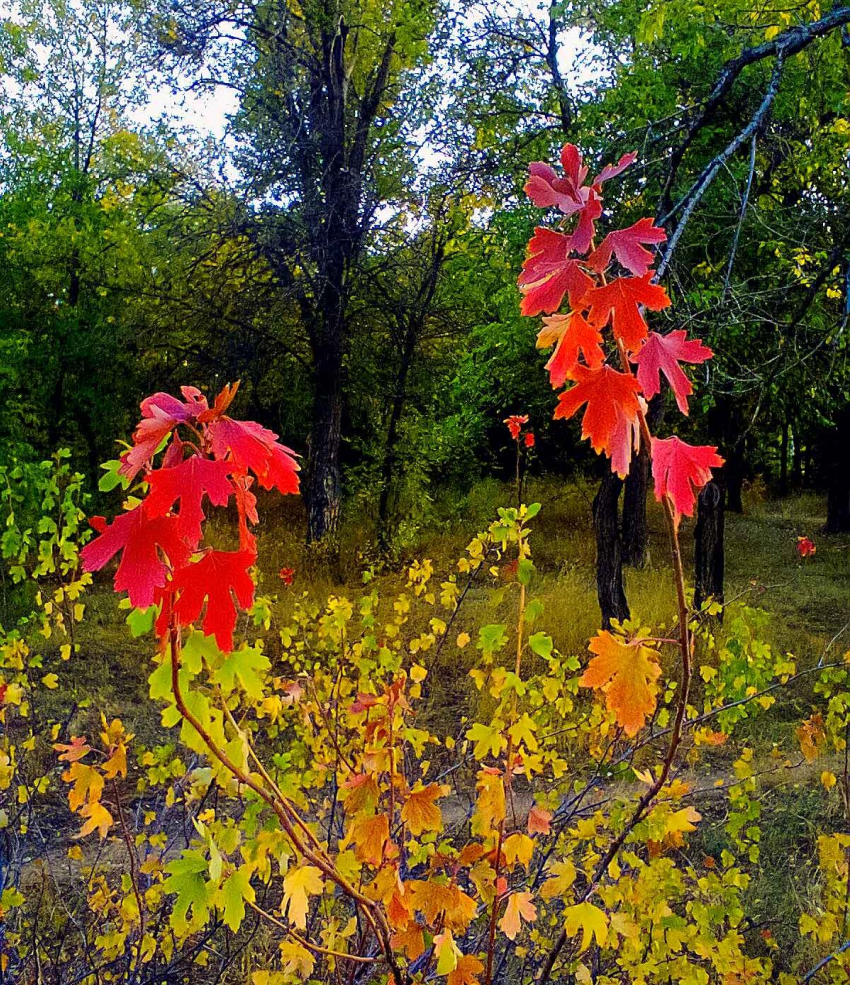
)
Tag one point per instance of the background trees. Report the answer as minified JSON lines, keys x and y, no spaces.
{"x":350,"y":249}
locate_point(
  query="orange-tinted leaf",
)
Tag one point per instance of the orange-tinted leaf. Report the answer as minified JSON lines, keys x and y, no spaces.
{"x":420,"y":813}
{"x":520,"y":907}
{"x":467,"y":971}
{"x":549,"y":273}
{"x":612,"y":411}
{"x":625,"y":245}
{"x":539,"y":821}
{"x":571,"y":335}
{"x":620,"y":302}
{"x":680,"y":470}
{"x":626,"y":672}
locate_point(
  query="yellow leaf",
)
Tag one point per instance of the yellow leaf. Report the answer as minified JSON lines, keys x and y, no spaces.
{"x":467,"y":971}
{"x":50,"y":681}
{"x":626,"y":672}
{"x":563,"y":875}
{"x":295,"y":960}
{"x":518,"y":848}
{"x":588,"y":919}
{"x":520,"y":907}
{"x":462,"y":640}
{"x":828,"y":779}
{"x":298,"y":885}
{"x":446,"y":953}
{"x":98,"y":818}
{"x":369,"y":835}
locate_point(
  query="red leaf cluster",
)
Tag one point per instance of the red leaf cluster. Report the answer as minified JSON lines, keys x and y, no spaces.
{"x":163,"y":559}
{"x":609,"y":286}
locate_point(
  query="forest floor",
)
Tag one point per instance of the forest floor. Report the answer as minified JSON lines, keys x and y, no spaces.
{"x":807,"y":613}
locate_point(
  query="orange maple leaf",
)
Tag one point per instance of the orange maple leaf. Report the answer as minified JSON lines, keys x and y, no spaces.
{"x":411,"y":940}
{"x":625,"y":671}
{"x":620,"y":302}
{"x":370,"y":835}
{"x":571,"y":335}
{"x":612,"y":410}
{"x":420,"y":813}
{"x":467,"y":971}
{"x":539,"y":821}
{"x":520,"y":907}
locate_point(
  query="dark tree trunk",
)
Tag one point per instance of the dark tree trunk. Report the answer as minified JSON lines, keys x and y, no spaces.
{"x":735,"y":470}
{"x":323,"y":488}
{"x":388,"y":466}
{"x":797,"y":459}
{"x":837,"y":466}
{"x":709,"y":534}
{"x":609,"y":558}
{"x":635,"y":538}
{"x":783,"y":461}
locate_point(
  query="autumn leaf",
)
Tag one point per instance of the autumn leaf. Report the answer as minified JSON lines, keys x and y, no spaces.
{"x":680,"y":470}
{"x":248,"y":446}
{"x":467,"y":971}
{"x":446,"y":952}
{"x":518,"y":847}
{"x":562,"y":874}
{"x":98,"y":819}
{"x":140,"y":539}
{"x":546,"y":188}
{"x":620,"y":303}
{"x":571,"y":335}
{"x":411,"y":940}
{"x":662,"y":354}
{"x":613,"y":170}
{"x":188,"y":482}
{"x":295,"y":960}
{"x":77,"y":749}
{"x":590,"y":920}
{"x":812,"y":737}
{"x":369,"y":835}
{"x":625,"y":245}
{"x":215,"y":579}
{"x":161,"y":413}
{"x":490,"y":802}
{"x":298,"y":886}
{"x":612,"y":411}
{"x":626,"y":672}
{"x":520,"y":907}
{"x":420,"y":813}
{"x":549,"y":273}
{"x":539,"y":821}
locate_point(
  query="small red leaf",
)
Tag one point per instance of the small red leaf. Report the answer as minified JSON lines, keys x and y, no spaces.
{"x":612,"y":409}
{"x":548,"y":273}
{"x":620,"y":303}
{"x":662,"y":354}
{"x":247,"y":445}
{"x":189,"y":482}
{"x":215,"y":579}
{"x":140,"y":538}
{"x":680,"y":470}
{"x":625,"y":245}
{"x":572,"y":335}
{"x":612,"y":170}
{"x":160,"y":414}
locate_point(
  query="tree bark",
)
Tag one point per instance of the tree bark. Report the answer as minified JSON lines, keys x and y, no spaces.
{"x":783,"y":460}
{"x":735,"y":469}
{"x":837,"y":466}
{"x":388,"y":465}
{"x":635,"y":537}
{"x":609,"y":559}
{"x":709,"y":533}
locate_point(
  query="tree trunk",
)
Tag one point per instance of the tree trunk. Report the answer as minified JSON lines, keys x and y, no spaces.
{"x":323,"y":489}
{"x":709,"y":534}
{"x":783,"y":460}
{"x":388,"y":465}
{"x":635,"y":530}
{"x":735,"y":470}
{"x":837,"y":466}
{"x":609,"y":559}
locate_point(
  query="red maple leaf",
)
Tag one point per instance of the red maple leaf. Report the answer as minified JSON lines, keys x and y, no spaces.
{"x":140,"y":538}
{"x":214,"y":580}
{"x":515,"y":423}
{"x":161,"y":413}
{"x":548,"y":273}
{"x":545,"y":188}
{"x":680,"y":470}
{"x":662,"y":354}
{"x":620,"y":302}
{"x":189,"y":482}
{"x":806,"y":547}
{"x":624,"y":437}
{"x":247,"y":445}
{"x":572,"y":334}
{"x":625,"y":245}
{"x":612,"y":405}
{"x":246,"y":507}
{"x":612,"y":170}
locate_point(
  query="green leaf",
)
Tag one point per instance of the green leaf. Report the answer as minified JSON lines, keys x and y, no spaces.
{"x":541,"y":644}
{"x":248,"y":667}
{"x":236,"y":889}
{"x":141,"y":621}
